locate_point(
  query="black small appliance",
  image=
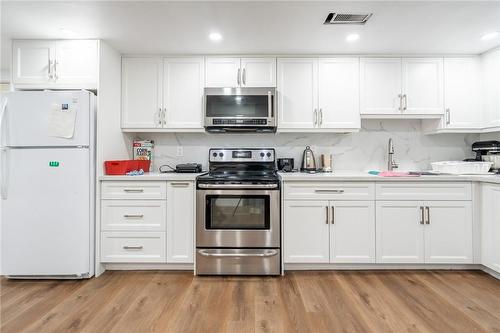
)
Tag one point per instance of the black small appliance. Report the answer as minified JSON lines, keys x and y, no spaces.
{"x":285,"y":164}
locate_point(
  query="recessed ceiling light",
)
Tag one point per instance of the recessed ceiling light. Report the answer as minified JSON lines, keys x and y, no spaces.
{"x":490,"y":35}
{"x":352,"y":38}
{"x":215,"y":36}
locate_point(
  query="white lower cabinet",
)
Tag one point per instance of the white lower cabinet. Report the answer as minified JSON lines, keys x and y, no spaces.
{"x":305,"y":228}
{"x":490,"y":235}
{"x":329,"y":231}
{"x":180,"y":221}
{"x":133,"y":247}
{"x":432,"y":232}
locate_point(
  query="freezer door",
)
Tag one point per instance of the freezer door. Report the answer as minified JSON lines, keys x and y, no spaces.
{"x":46,"y":212}
{"x":27,"y":113}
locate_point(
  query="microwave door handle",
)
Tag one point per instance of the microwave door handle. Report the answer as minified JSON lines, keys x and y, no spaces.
{"x":270,"y":107}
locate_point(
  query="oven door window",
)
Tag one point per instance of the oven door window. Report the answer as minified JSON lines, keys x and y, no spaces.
{"x":237,"y":212}
{"x":248,"y":106}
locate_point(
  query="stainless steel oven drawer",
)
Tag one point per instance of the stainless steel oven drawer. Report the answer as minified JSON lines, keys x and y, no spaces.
{"x":238,"y":262}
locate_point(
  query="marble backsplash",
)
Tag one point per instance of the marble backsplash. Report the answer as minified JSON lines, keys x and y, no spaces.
{"x":366,"y":150}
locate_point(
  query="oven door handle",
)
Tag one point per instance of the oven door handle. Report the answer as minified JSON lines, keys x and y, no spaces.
{"x":209,"y":253}
{"x":238,"y":186}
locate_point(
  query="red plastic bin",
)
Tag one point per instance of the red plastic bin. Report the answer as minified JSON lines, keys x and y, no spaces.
{"x":124,"y":166}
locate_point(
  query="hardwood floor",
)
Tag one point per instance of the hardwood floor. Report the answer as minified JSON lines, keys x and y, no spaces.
{"x":340,"y":301}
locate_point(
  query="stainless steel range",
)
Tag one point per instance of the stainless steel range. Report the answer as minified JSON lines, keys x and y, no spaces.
{"x":238,"y":214}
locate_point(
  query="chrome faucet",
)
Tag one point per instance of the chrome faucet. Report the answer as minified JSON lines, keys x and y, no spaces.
{"x":391,"y":164}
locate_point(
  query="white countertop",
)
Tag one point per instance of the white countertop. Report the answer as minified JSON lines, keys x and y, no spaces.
{"x":364,"y":176}
{"x":156,"y":176}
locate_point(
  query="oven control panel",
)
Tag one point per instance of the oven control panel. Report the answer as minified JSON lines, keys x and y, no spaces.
{"x":242,"y":155}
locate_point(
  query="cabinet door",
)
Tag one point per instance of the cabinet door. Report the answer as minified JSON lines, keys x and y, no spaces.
{"x":306,"y":232}
{"x":490,"y":233}
{"x":352,"y":232}
{"x":180,"y":221}
{"x":380,"y":86}
{"x":222,"y":72}
{"x":339,"y":93}
{"x":448,"y":232}
{"x":76,"y":63}
{"x":32,"y":61}
{"x":297,"y":93}
{"x":423,"y":86}
{"x":141,"y":92}
{"x":258,"y":72}
{"x":491,"y":86}
{"x":183,"y":82}
{"x":463,"y":108}
{"x":400,"y":232}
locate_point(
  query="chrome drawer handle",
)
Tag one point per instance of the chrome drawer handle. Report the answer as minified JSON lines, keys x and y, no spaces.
{"x":133,"y":247}
{"x":137,"y":216}
{"x":131,"y":190}
{"x":269,"y":253}
{"x":179,"y":184}
{"x":329,"y":191}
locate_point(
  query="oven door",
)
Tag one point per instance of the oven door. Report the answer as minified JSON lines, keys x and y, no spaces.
{"x":237,"y":218}
{"x":237,"y":107}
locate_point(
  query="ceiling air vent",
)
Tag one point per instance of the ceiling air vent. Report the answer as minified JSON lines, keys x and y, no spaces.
{"x":337,"y":18}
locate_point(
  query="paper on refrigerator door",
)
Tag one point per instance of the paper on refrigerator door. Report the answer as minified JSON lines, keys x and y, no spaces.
{"x":62,"y":119}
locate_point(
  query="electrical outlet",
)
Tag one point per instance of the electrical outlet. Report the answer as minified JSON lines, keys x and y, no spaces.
{"x":180,"y":151}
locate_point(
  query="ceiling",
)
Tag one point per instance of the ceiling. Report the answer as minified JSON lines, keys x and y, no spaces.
{"x":257,"y":27}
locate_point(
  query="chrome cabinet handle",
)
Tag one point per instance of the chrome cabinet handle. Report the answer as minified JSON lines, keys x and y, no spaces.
{"x":422,"y":215}
{"x":164,"y":116}
{"x":447,"y":116}
{"x":244,"y":76}
{"x":427,"y":210}
{"x":238,"y":76}
{"x":321,"y":116}
{"x":159,"y":116}
{"x":405,"y":107}
{"x":140,"y":247}
{"x":208,"y":253}
{"x":315,"y":113}
{"x":50,"y":70}
{"x":400,"y":102}
{"x":133,"y":216}
{"x":327,"y":215}
{"x":333,"y":215}
{"x":329,"y":191}
{"x":179,"y":184}
{"x":55,"y":70}
{"x":133,"y":190}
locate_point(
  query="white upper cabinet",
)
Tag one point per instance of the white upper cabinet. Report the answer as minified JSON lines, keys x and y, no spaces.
{"x":222,"y":72}
{"x":380,"y":86}
{"x":318,"y":94}
{"x":162,"y":93}
{"x":258,"y":72}
{"x":339,"y":93}
{"x":60,"y":64}
{"x":399,"y":88}
{"x":297,"y":93}
{"x":491,"y":89}
{"x":183,"y":82}
{"x":142,"y":82}
{"x":423,"y":86}
{"x":32,"y":61}
{"x":462,"y":100}
{"x":240,"y":72}
{"x":76,"y":62}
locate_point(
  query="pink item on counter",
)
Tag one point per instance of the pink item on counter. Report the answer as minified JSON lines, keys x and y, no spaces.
{"x":397,"y":174}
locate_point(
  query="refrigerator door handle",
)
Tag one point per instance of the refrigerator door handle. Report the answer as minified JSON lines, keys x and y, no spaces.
{"x":3,"y":172}
{"x":2,"y":117}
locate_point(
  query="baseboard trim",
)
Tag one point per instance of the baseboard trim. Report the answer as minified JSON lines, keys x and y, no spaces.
{"x":303,"y":267}
{"x":145,"y":267}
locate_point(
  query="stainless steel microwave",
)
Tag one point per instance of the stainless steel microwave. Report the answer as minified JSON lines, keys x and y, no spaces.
{"x":240,"y":109}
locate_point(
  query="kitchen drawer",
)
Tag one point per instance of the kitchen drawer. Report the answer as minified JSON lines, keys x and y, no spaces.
{"x":424,"y":191}
{"x":144,"y":247}
{"x":134,"y":190}
{"x":329,"y":191}
{"x":126,"y":215}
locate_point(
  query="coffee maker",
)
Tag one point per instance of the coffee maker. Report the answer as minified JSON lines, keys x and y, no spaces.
{"x":488,"y":151}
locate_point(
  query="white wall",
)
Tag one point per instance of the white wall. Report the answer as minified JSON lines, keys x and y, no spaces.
{"x":366,"y":150}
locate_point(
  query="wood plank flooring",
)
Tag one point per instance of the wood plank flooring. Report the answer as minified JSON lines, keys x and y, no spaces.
{"x":339,"y":301}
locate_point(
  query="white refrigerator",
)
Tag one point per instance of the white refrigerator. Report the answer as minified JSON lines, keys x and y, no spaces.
{"x":47,"y":184}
